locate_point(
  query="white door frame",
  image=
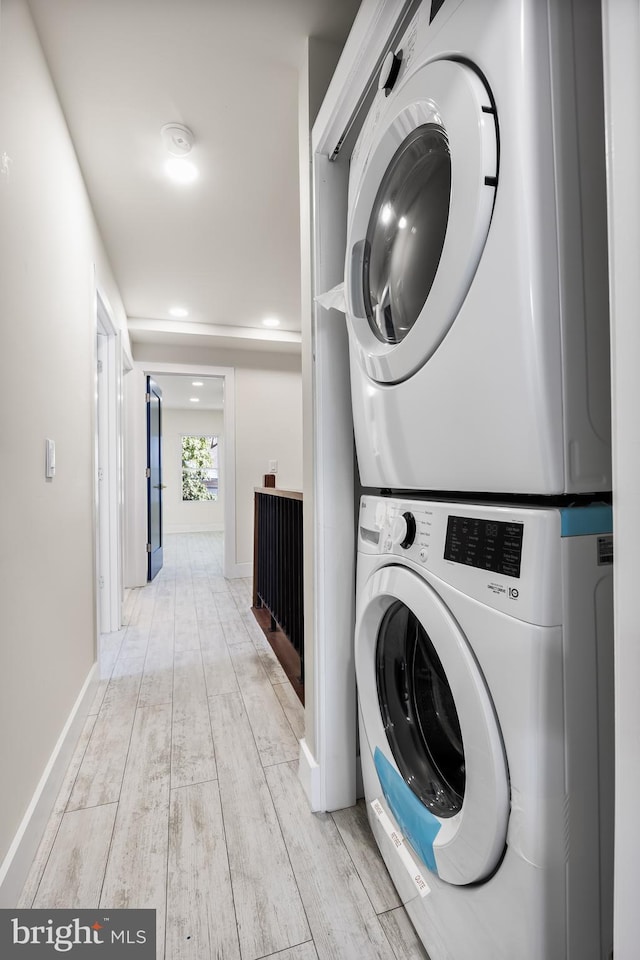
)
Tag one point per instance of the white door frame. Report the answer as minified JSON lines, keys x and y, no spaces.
{"x":232,"y":569}
{"x":621,"y":41}
{"x":328,"y":765}
{"x":108,"y":467}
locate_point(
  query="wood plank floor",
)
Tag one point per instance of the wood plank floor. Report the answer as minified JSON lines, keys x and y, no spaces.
{"x":183,"y":793}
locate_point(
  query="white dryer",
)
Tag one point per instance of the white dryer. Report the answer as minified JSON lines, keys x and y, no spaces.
{"x":484,"y":662}
{"x":476,"y":267}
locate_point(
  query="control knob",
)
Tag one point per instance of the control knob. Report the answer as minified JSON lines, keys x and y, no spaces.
{"x":403,"y":531}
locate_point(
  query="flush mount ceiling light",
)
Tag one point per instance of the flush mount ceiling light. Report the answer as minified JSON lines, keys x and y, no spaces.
{"x":197,"y":383}
{"x":178,"y":312}
{"x":180,"y":170}
{"x":194,"y":399}
{"x":178,"y":141}
{"x":270,"y":322}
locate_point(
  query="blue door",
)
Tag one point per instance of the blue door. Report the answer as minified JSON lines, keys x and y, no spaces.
{"x":154,"y":477}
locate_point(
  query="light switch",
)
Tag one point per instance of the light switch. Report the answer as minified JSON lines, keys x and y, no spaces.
{"x":273,"y":466}
{"x":50,"y":459}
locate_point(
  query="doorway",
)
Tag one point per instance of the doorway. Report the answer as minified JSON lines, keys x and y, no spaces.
{"x":108,"y":471}
{"x":186,"y":492}
{"x":155,"y":486}
{"x":199,"y":493}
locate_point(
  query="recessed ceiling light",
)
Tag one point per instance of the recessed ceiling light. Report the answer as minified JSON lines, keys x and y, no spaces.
{"x":181,"y":170}
{"x":270,"y":322}
{"x":178,"y":312}
{"x":194,"y":399}
{"x":197,"y":383}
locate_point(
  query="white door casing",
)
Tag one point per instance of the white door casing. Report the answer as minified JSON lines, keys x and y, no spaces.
{"x":232,"y":569}
{"x":108,"y":468}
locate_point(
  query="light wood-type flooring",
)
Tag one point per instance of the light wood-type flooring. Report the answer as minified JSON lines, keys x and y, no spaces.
{"x":183,"y":793}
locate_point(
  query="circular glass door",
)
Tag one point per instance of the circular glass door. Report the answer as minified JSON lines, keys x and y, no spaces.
{"x":425,"y":706}
{"x":419,"y":712}
{"x":421,"y":197}
{"x":406,"y":233}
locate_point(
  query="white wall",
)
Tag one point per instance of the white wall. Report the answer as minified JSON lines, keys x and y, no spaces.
{"x":622,"y":113}
{"x":48,"y":248}
{"x":188,"y":516}
{"x":268,"y":427}
{"x":268,"y":405}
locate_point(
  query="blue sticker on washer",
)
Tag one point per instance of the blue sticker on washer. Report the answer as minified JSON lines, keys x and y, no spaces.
{"x":586,"y":521}
{"x":417,"y":823}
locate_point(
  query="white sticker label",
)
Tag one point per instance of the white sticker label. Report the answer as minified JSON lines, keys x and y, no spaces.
{"x":605,"y":550}
{"x":399,"y":843}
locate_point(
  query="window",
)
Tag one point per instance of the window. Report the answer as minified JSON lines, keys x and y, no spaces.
{"x":199,"y":468}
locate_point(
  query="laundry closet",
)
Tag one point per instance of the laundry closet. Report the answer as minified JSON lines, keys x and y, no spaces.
{"x":474,"y":331}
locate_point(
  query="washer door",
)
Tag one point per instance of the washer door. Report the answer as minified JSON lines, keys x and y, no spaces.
{"x":419,"y":218}
{"x":431,"y":727}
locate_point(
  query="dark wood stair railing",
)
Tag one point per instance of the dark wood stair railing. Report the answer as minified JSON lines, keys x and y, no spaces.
{"x":277,"y":562}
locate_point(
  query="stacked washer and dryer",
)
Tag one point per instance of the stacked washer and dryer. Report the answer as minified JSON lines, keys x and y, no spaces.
{"x":477,"y":307}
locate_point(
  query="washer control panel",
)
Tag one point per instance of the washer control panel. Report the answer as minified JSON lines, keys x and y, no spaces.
{"x":494,"y":545}
{"x":505,"y":556}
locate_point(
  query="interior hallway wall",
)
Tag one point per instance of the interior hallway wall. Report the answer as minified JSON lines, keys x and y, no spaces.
{"x":48,"y":248}
{"x":183,"y":516}
{"x":268,"y":405}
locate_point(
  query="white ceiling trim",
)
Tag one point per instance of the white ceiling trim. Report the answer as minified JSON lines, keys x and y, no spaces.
{"x":190,"y":328}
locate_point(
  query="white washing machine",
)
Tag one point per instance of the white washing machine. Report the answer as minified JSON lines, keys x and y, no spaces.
{"x":476,"y":267}
{"x":484,"y":661}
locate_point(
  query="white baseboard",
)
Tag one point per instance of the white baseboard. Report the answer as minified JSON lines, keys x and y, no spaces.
{"x":16,"y":864}
{"x":309,"y":776}
{"x":194,"y":527}
{"x":239,"y":571}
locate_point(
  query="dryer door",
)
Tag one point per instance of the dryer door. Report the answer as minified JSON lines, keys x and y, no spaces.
{"x":431,"y":726}
{"x":421,"y":201}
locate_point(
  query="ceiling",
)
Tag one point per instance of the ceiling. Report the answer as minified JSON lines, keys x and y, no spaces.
{"x":178,"y":390}
{"x":227,"y":246}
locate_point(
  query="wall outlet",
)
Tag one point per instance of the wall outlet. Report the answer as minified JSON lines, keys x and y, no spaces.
{"x":273,"y":466}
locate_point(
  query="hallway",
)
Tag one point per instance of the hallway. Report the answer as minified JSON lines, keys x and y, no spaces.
{"x":183,"y":795}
